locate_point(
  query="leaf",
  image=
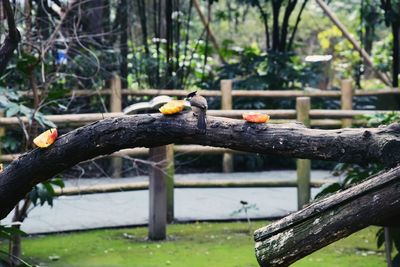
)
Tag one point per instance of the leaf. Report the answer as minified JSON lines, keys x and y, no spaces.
{"x":33,"y":195}
{"x":4,"y":101}
{"x":57,"y":94}
{"x":396,"y":260}
{"x":329,"y":189}
{"x":380,"y":238}
{"x":58,"y":182}
{"x":395,"y":234}
{"x":39,"y":117}
{"x":12,"y":109}
{"x":49,"y":188}
{"x":9,"y":231}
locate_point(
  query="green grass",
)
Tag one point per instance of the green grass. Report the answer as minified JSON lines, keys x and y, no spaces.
{"x":199,"y":244}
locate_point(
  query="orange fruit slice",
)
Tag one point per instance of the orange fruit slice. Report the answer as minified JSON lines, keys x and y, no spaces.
{"x":46,"y":138}
{"x":256,"y":117}
{"x":172,"y":107}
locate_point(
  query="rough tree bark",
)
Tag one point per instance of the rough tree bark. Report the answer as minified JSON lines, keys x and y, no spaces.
{"x":373,"y":202}
{"x":151,"y":130}
{"x":12,"y":39}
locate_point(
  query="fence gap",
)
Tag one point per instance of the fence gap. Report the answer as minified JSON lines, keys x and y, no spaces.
{"x":303,"y":165}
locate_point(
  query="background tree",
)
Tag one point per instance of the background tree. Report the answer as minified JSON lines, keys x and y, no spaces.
{"x":392,"y":19}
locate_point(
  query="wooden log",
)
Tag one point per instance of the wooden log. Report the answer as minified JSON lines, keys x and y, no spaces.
{"x":381,"y":145}
{"x":158,"y":193}
{"x":346,"y":100}
{"x":116,"y":107}
{"x":303,"y":165}
{"x":136,"y":186}
{"x":226,"y":104}
{"x":374,"y":201}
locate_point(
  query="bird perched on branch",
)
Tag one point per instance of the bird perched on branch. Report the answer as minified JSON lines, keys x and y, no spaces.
{"x":199,"y":108}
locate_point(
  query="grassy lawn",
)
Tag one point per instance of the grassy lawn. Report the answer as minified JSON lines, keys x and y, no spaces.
{"x":199,"y":244}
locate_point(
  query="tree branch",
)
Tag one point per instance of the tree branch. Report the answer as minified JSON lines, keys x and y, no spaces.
{"x":296,"y":25}
{"x":12,"y":39}
{"x":276,"y":7}
{"x":150,"y":130}
{"x":328,"y":220}
{"x":264,"y":17}
{"x":285,"y":24}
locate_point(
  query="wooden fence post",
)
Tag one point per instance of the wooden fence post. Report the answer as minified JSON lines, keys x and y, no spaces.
{"x":226,"y":103}
{"x":116,"y":106}
{"x":303,"y":165}
{"x":170,"y":172}
{"x":158,"y":193}
{"x":346,"y":100}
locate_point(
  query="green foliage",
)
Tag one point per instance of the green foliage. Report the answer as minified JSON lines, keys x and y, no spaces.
{"x":44,"y":192}
{"x":7,"y":233}
{"x":14,"y":107}
{"x":254,"y":69}
{"x":352,"y":173}
{"x":382,"y":53}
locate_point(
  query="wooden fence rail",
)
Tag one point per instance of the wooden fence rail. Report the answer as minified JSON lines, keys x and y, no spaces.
{"x":81,"y":119}
{"x":136,"y":186}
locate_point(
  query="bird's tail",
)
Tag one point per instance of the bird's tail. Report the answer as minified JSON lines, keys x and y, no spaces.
{"x":201,"y":121}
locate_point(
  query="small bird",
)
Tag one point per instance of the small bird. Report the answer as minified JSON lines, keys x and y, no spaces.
{"x":199,"y":108}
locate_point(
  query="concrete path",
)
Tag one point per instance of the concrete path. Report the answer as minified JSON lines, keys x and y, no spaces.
{"x":131,"y":208}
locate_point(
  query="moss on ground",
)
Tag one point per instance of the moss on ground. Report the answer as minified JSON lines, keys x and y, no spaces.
{"x":195,"y":245}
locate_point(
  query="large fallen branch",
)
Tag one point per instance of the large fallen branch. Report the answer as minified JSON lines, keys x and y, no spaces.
{"x":375,"y":201}
{"x":150,"y":130}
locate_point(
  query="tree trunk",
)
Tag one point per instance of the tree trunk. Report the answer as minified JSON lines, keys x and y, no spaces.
{"x":12,"y":39}
{"x":149,"y":130}
{"x":123,"y":42}
{"x":16,"y":249}
{"x":169,"y":79}
{"x":276,"y":7}
{"x":285,"y":24}
{"x":396,"y":53}
{"x":374,"y":201}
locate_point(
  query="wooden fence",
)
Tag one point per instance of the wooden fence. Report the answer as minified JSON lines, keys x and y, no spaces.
{"x":161,"y":182}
